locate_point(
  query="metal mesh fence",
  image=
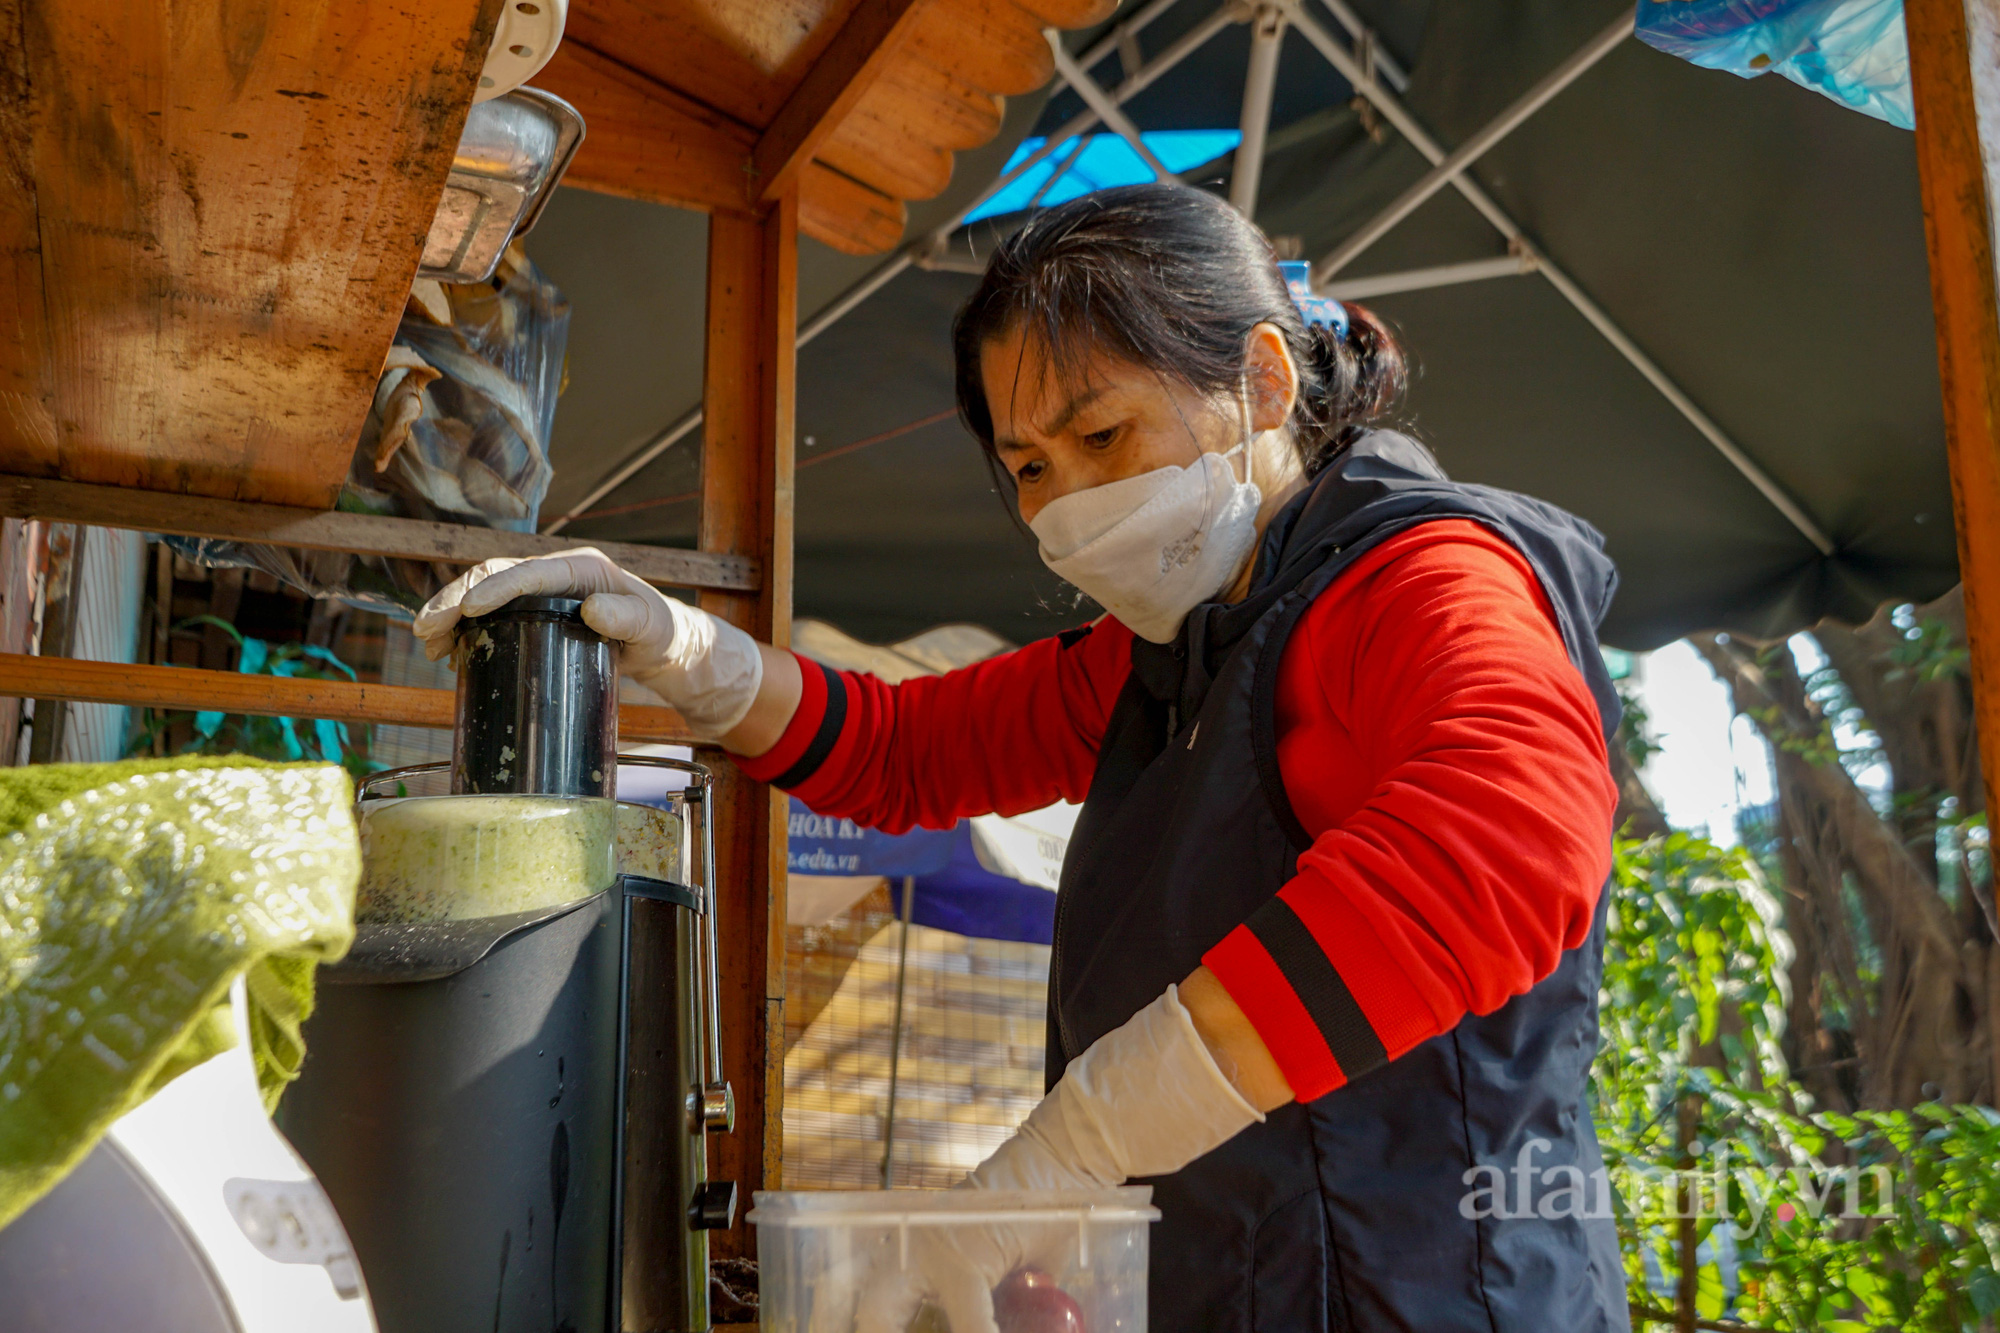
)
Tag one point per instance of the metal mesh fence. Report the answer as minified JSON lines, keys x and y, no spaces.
{"x":966,"y":1072}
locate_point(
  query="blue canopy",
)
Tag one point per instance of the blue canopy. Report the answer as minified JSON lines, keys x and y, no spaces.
{"x":953,"y":891}
{"x":968,"y":898}
{"x":824,"y":845}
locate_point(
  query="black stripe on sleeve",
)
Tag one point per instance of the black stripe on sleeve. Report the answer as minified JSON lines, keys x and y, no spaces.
{"x":830,"y":723}
{"x":1319,"y":987}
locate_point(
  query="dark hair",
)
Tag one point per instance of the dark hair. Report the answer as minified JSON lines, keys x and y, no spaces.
{"x":1173,"y":278}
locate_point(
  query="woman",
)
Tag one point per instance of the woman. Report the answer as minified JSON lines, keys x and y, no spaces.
{"x":1329,"y":933}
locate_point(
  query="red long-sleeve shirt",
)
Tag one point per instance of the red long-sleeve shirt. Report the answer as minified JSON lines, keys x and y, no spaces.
{"x":1434,"y":739}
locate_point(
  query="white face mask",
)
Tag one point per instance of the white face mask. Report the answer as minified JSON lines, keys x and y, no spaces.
{"x":1151,"y":548}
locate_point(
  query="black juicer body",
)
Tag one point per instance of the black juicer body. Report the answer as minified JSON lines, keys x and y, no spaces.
{"x":508,"y":1113}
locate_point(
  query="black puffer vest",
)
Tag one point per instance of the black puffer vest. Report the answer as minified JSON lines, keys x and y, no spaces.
{"x":1362,"y":1210}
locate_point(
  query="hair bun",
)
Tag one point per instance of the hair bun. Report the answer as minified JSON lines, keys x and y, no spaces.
{"x":1361,"y":377}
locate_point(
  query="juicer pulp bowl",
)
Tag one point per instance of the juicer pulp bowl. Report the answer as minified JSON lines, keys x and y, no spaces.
{"x":458,"y":858}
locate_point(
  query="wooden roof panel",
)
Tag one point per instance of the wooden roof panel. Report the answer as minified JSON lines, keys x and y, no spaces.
{"x":884,"y":155}
{"x":881,"y":92}
{"x":953,"y":113}
{"x":742,"y":57}
{"x":212,"y":218}
{"x":644,"y":140}
{"x":985,"y":44}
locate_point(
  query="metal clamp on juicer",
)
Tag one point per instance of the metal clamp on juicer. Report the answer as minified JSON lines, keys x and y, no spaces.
{"x":514,"y":1073}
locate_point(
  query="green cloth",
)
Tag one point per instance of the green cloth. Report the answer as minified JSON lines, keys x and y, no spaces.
{"x":132,"y":895}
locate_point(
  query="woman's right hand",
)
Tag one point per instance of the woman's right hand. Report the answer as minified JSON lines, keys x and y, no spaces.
{"x":705,"y":667}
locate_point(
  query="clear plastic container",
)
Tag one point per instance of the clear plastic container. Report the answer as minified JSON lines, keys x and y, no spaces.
{"x":819,"y":1252}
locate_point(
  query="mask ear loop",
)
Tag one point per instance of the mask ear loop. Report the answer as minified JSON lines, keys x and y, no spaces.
{"x":1242,"y":446}
{"x":1246,"y":444}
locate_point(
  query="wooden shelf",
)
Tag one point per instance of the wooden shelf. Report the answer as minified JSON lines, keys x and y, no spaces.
{"x":363,"y":534}
{"x":30,"y":677}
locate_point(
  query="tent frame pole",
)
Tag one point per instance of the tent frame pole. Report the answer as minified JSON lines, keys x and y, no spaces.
{"x":1104,"y":104}
{"x":1260,"y":81}
{"x":1385,"y":64}
{"x":1407,"y":125}
{"x":1056,"y":173}
{"x":1445,"y":172}
{"x":1425,"y":279}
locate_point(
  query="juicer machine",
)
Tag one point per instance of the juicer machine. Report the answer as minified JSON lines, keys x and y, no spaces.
{"x":511,"y":1078}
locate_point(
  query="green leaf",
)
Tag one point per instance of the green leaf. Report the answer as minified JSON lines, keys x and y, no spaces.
{"x":216,"y":622}
{"x":1983,"y":1286}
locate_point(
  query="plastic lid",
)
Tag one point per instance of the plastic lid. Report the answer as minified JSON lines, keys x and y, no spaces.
{"x":832,"y":1208}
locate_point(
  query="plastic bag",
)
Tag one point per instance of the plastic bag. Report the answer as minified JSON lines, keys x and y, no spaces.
{"x":458,"y":433}
{"x":1854,"y":51}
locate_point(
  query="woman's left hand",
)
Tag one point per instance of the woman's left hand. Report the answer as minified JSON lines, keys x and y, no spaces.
{"x":1145,"y":1100}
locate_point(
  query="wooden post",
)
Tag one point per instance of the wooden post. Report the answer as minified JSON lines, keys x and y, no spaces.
{"x":1955,"y":70}
{"x":61,"y":589}
{"x":746,"y":509}
{"x":24,"y":552}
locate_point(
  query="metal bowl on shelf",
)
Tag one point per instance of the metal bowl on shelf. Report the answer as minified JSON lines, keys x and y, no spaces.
{"x":513,"y":152}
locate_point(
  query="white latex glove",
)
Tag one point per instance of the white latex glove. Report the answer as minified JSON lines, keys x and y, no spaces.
{"x":1145,"y":1100}
{"x":705,"y":667}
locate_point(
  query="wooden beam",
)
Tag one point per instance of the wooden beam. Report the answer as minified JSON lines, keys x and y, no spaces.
{"x":1955,"y":71}
{"x":867,"y":44}
{"x":645,"y":140}
{"x":212,"y":218}
{"x":649,"y":142}
{"x":28,"y":435}
{"x":28,"y":677}
{"x":362,"y":534}
{"x":746,"y":509}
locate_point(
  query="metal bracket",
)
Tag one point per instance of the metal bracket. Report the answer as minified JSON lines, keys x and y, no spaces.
{"x":713,"y":1207}
{"x":718,"y":1108}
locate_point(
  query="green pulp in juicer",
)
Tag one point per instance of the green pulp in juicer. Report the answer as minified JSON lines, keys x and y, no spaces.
{"x":458,"y":858}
